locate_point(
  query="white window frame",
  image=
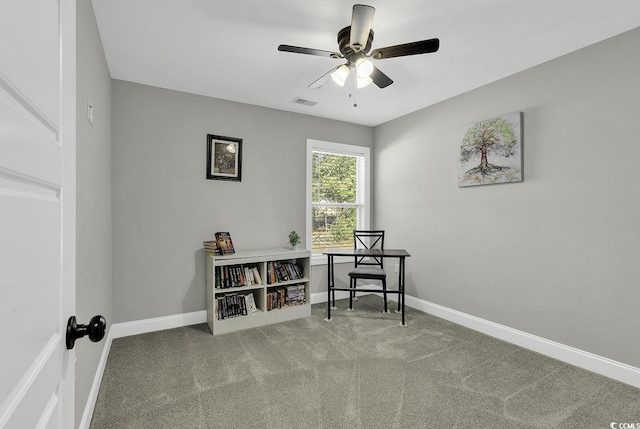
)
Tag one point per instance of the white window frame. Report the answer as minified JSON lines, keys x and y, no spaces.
{"x":363,"y":193}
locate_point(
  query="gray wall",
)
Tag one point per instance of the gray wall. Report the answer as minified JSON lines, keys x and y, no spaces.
{"x":93,"y":212}
{"x":556,"y":256}
{"x":163,"y":206}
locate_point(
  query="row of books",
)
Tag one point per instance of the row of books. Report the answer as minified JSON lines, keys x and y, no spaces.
{"x":282,"y":271}
{"x":233,"y":305}
{"x":286,"y":295}
{"x":236,"y":276}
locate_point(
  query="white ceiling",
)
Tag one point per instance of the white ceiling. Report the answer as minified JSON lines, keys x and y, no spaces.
{"x":228,"y":48}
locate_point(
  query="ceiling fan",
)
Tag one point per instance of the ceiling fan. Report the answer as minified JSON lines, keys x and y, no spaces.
{"x":354,"y":43}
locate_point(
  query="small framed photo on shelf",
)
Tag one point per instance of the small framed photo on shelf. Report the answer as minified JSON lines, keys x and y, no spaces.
{"x":224,"y":158}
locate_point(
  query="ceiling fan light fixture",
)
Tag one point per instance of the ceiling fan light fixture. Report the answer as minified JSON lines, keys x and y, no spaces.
{"x":363,"y":83}
{"x":364,"y":67}
{"x":340,"y":75}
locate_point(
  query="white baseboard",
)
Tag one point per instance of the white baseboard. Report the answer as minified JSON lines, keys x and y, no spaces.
{"x":601,"y":365}
{"x":118,"y":330}
{"x":158,"y":324}
{"x":85,"y":422}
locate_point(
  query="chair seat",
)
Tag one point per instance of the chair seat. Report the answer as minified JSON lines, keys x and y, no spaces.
{"x":368,"y":273}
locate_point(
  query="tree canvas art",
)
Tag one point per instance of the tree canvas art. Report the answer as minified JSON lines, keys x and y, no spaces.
{"x":491,"y":151}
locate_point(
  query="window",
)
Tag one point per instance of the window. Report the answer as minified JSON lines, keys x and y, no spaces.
{"x":337,"y":195}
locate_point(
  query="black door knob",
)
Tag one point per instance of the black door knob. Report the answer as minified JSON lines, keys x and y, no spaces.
{"x":95,"y":330}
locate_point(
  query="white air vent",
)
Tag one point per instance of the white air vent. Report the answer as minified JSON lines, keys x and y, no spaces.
{"x":304,"y":102}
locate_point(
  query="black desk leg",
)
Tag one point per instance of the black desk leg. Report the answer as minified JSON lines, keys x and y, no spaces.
{"x":329,"y":286}
{"x":401,"y":286}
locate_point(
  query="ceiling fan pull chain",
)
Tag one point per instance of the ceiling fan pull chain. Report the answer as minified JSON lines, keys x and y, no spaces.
{"x":355,"y":89}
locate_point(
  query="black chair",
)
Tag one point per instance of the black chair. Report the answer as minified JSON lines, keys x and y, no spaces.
{"x":368,"y":268}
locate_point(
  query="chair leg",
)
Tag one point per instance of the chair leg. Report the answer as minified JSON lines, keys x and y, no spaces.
{"x":384,"y":293}
{"x":352,"y":285}
{"x":333,"y":298}
{"x":355,"y":298}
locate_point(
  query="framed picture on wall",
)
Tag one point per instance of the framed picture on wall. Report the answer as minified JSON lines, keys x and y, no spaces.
{"x":490,"y":151}
{"x":224,"y":158}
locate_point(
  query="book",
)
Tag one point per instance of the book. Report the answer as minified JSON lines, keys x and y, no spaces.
{"x":224,"y":243}
{"x":211,"y":246}
{"x":256,"y":275}
{"x":272,"y":273}
{"x":281,"y":297}
{"x":250,"y":303}
{"x":218,"y":277}
{"x":248,"y":277}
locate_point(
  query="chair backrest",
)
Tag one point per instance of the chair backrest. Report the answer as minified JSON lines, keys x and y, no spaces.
{"x":373,"y":239}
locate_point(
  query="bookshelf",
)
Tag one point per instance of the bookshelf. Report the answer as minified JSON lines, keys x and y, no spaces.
{"x":278,"y":280}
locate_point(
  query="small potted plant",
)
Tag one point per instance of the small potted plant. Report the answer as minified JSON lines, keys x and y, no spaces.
{"x":294,"y":240}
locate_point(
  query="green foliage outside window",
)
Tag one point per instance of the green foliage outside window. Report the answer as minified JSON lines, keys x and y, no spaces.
{"x":334,"y":181}
{"x":334,"y":178}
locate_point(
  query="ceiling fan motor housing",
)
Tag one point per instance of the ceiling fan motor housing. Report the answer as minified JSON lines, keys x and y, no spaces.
{"x":344,"y":37}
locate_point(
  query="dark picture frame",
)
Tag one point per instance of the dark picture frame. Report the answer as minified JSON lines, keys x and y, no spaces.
{"x":224,"y":158}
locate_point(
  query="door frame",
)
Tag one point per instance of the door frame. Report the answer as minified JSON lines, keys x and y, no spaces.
{"x":68,"y":197}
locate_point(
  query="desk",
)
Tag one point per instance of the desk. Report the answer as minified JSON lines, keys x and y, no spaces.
{"x":401,"y":254}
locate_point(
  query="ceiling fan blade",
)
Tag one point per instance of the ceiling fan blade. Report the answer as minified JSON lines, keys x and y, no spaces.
{"x":309,"y":51}
{"x":323,"y":79}
{"x":379,"y":78}
{"x":361,"y":20}
{"x":414,"y":48}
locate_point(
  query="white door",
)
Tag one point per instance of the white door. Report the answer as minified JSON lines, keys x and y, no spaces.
{"x":37,"y":212}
